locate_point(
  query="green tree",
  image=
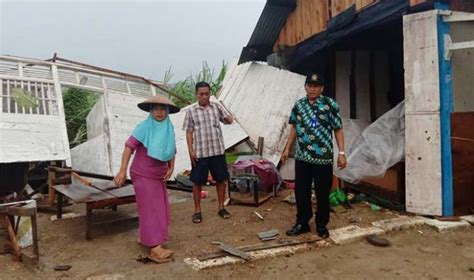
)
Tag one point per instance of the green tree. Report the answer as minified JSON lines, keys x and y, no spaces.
{"x":77,"y":105}
{"x":186,"y":87}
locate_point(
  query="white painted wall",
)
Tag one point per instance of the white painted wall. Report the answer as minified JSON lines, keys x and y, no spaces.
{"x":96,"y":119}
{"x":31,"y":138}
{"x":92,"y":156}
{"x":123,"y":118}
{"x":422,"y":98}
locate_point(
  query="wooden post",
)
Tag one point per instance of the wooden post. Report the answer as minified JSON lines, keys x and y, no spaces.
{"x":88,"y":221}
{"x":13,"y":242}
{"x":51,"y":191}
{"x":59,"y":213}
{"x":260,"y":146}
{"x":255,"y":192}
{"x":34,"y":229}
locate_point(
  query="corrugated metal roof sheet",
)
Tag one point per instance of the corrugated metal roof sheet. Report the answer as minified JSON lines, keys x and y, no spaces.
{"x":261,"y":98}
{"x":269,"y":25}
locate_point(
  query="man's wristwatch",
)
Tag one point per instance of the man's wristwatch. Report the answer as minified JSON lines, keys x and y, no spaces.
{"x":341,"y":153}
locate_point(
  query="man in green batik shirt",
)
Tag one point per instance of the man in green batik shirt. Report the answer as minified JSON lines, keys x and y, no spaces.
{"x":313,"y":120}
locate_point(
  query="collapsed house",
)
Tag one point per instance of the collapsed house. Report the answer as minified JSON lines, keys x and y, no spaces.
{"x":32,"y":118}
{"x":375,"y":54}
{"x":260,"y":106}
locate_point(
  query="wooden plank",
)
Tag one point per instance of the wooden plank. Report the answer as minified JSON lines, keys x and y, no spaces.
{"x":51,"y":191}
{"x":110,"y":202}
{"x":416,"y":2}
{"x":305,"y":15}
{"x":61,"y":115}
{"x":80,"y":193}
{"x":462,"y":142}
{"x":421,"y":62}
{"x":337,"y":6}
{"x":92,"y":156}
{"x":423,"y":164}
{"x":461,"y":125}
{"x":422,"y":106}
{"x":11,"y":233}
{"x":463,"y":175}
{"x":110,"y":187}
{"x":31,"y":138}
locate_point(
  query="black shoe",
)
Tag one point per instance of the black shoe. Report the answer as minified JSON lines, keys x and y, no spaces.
{"x":298,"y":229}
{"x":323,"y":233}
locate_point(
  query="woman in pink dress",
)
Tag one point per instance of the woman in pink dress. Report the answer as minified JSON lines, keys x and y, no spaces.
{"x":153,"y":142}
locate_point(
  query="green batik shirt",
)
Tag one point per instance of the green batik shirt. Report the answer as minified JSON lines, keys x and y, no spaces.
{"x":314,"y":125}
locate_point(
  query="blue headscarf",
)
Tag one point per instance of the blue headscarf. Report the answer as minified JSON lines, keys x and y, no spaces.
{"x":157,"y":137}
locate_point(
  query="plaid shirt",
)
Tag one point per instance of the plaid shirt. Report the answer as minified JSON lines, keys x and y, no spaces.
{"x":203,"y":122}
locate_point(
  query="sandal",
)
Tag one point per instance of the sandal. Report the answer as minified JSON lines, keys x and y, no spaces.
{"x":223,"y":214}
{"x":159,"y":260}
{"x":197,"y":218}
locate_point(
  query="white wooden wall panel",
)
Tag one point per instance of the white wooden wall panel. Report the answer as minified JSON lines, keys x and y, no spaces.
{"x":92,"y":156}
{"x":261,"y":98}
{"x":422,"y":98}
{"x":421,"y":62}
{"x":423,"y":164}
{"x":124,"y":116}
{"x":343,"y":72}
{"x":31,"y":138}
{"x":96,"y":120}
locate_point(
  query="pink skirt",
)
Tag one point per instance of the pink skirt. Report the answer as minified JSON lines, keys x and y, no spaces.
{"x":153,"y":210}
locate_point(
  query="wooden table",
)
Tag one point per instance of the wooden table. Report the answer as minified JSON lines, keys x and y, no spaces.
{"x":20,"y":209}
{"x":100,"y":196}
{"x":96,"y":195}
{"x":252,"y":181}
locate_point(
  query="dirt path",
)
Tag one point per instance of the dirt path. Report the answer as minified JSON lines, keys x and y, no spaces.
{"x":419,"y":253}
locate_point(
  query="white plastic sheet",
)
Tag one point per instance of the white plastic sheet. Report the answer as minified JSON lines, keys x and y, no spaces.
{"x":373,"y":150}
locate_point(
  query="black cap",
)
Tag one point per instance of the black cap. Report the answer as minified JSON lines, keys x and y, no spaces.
{"x":314,"y":78}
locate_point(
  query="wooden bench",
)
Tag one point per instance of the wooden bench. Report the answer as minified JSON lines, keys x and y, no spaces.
{"x":95,"y":195}
{"x":20,"y":209}
{"x":94,"y":198}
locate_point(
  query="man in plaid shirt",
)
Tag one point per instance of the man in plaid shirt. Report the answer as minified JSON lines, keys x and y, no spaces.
{"x":206,"y":147}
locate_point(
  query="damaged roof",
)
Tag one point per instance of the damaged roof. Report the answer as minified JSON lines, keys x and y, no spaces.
{"x":271,"y":21}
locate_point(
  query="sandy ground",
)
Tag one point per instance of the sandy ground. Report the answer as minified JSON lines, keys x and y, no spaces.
{"x":418,"y":253}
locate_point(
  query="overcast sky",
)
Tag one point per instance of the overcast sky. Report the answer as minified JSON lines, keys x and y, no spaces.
{"x":139,"y":37}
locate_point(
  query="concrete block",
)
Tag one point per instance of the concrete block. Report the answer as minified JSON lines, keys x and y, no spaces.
{"x":352,"y":233}
{"x":402,"y":222}
{"x":443,"y":225}
{"x":469,"y":219}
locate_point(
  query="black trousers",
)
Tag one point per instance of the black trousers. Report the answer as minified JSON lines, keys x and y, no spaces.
{"x":305,"y":175}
